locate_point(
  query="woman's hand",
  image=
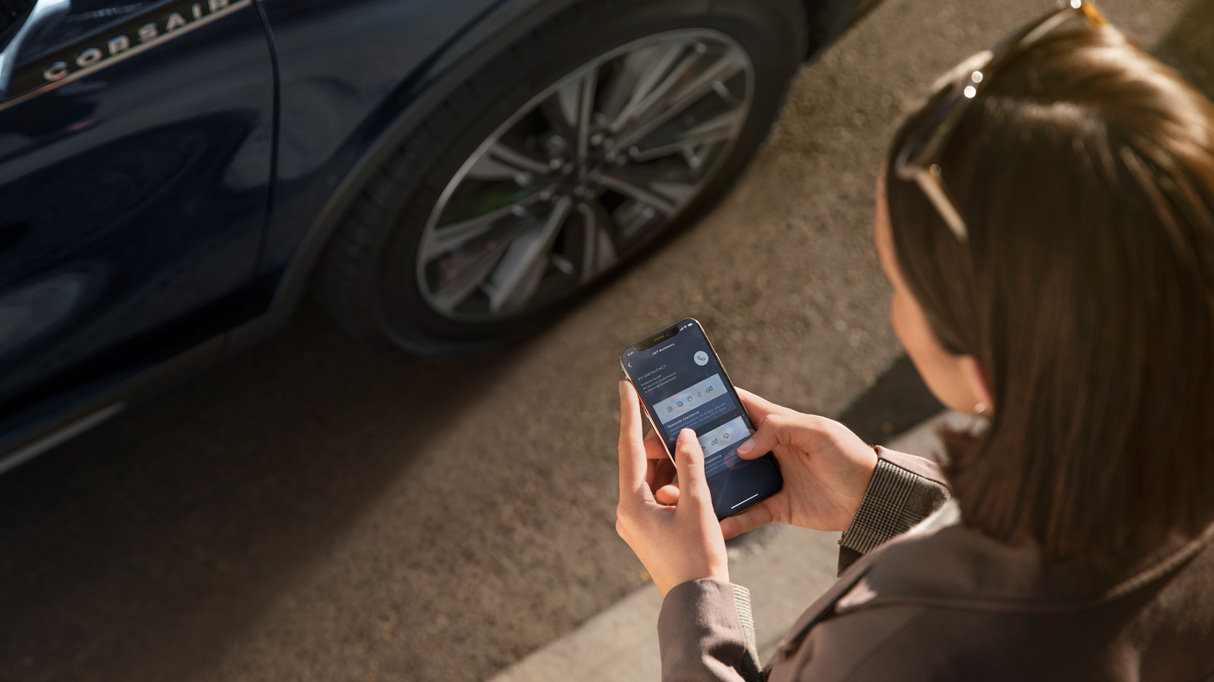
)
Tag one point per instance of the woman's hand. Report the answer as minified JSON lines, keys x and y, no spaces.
{"x":677,"y":539}
{"x":826,"y":469}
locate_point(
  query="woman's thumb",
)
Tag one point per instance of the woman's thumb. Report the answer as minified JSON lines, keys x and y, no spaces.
{"x":763,"y":440}
{"x":758,"y":515}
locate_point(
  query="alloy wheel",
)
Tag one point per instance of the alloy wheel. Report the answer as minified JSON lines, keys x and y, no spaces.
{"x":584,"y":172}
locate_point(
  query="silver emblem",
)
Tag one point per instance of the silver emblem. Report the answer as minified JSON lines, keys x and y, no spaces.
{"x":133,"y":37}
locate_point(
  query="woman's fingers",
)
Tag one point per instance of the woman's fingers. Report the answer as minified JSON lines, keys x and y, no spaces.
{"x":758,"y":515}
{"x":633,"y":464}
{"x":667,"y":494}
{"x":768,"y":436}
{"x":660,"y":472}
{"x":654,"y":449}
{"x":689,"y":460}
{"x":660,"y":468}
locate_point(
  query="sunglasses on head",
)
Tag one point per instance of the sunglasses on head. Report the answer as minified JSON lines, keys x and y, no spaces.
{"x":919,"y":159}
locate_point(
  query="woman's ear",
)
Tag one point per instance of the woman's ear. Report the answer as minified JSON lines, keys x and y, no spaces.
{"x":979,"y":384}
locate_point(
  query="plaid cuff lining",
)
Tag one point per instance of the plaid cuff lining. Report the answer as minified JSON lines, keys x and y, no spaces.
{"x":895,"y":501}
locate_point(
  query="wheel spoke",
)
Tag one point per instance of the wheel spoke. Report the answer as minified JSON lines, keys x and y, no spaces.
{"x":627,"y":81}
{"x":589,"y":83}
{"x":675,"y":100}
{"x":521,"y":269}
{"x":722,"y":127}
{"x":598,"y":247}
{"x":642,"y":75}
{"x":500,"y":162}
{"x":645,"y":195}
{"x":451,"y":293}
{"x":448,"y":238}
{"x":575,"y":104}
{"x":679,"y":192}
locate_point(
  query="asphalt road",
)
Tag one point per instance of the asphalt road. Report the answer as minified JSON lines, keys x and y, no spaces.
{"x":311,"y":510}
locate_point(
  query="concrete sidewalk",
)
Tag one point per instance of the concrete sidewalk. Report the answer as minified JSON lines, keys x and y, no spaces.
{"x":784,"y":567}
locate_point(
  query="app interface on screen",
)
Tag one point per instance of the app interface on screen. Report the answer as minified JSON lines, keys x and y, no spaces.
{"x":684,"y":387}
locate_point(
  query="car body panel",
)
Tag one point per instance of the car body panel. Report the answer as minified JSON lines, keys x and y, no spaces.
{"x":134,"y":201}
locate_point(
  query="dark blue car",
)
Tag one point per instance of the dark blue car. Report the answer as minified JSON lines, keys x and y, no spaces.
{"x":444,"y":175}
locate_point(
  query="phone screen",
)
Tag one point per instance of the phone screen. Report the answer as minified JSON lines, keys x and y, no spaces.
{"x":683,"y":386}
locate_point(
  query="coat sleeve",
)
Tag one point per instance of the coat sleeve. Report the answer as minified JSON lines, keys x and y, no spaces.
{"x":904,"y":490}
{"x":706,"y":632}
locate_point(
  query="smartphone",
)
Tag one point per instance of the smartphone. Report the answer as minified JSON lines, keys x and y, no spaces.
{"x":682,"y":385}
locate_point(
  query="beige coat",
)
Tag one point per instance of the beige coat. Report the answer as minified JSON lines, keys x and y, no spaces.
{"x":943,"y":602}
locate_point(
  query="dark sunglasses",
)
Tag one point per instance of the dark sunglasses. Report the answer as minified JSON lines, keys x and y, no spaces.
{"x":919,"y":159}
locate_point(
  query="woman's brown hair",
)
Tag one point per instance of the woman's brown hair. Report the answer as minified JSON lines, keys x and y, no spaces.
{"x":1085,"y":176}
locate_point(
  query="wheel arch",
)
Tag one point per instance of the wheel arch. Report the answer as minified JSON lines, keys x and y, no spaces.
{"x":443,"y":72}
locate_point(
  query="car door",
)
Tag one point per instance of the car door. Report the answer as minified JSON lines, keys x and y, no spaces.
{"x":136,"y":147}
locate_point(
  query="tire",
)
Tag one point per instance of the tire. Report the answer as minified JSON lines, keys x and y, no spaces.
{"x":385,"y":277}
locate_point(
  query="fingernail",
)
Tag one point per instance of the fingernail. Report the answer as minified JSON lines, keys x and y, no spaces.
{"x":746,"y":447}
{"x":623,"y":384}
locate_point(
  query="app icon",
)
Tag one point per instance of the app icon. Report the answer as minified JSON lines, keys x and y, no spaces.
{"x":678,"y":403}
{"x":669,"y":408}
{"x":708,"y":389}
{"x":714,"y":441}
{"x":690,"y":399}
{"x":725,"y":435}
{"x":701,"y":358}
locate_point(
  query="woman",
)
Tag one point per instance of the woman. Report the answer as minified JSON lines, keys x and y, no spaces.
{"x":1046,"y":222}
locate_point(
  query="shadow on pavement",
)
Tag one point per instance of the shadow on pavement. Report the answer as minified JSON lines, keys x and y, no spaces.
{"x":896,"y":402}
{"x":145,"y":546}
